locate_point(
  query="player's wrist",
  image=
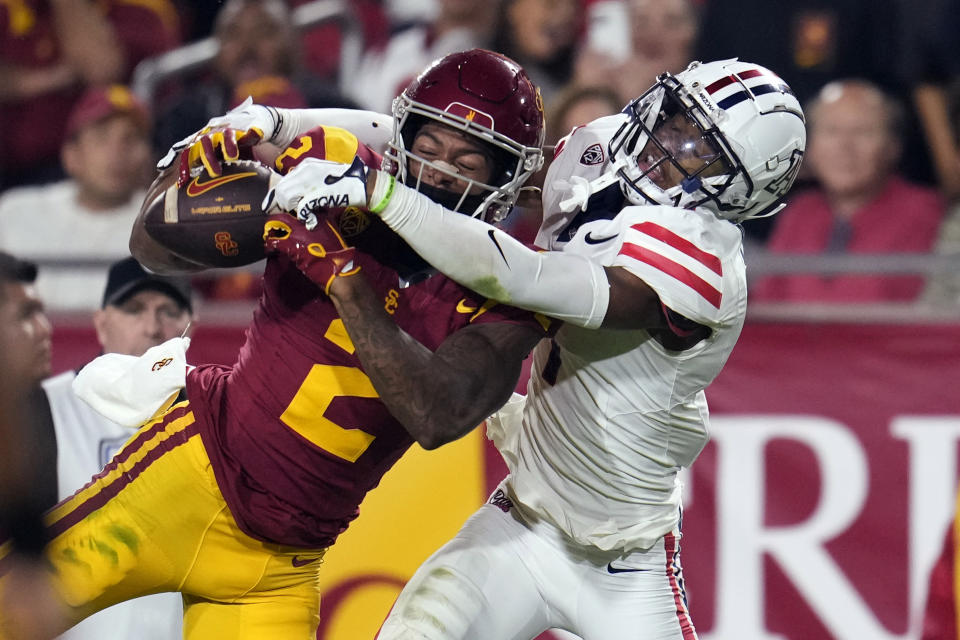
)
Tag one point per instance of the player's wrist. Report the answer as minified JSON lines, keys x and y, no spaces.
{"x":380,"y":189}
{"x":286,"y":126}
{"x":341,"y":284}
{"x":343,"y":264}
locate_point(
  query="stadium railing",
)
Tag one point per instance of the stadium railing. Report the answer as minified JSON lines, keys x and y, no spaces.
{"x":759,"y":264}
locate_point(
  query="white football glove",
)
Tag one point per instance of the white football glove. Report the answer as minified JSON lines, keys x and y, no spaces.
{"x":315,"y":185}
{"x":243,"y":117}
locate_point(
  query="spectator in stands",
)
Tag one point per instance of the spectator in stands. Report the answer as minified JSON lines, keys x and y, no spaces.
{"x":28,"y":453}
{"x":662,"y":36}
{"x":139,"y":311}
{"x":860,"y":203}
{"x":258,"y":55}
{"x":542,"y":36}
{"x":88,"y":217}
{"x":812,"y":42}
{"x":384,"y":72}
{"x":50,"y":51}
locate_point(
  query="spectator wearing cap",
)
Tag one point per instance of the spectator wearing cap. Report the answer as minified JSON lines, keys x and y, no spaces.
{"x":75,"y":227}
{"x":139,"y":311}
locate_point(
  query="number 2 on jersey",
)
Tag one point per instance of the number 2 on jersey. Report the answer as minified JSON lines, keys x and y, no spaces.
{"x":325,"y":383}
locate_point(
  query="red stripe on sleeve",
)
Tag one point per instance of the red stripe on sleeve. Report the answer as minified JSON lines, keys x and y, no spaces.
{"x":681,"y":244}
{"x":674,"y":270}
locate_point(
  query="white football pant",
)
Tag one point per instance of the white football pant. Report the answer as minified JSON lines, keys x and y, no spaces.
{"x":503,"y":579}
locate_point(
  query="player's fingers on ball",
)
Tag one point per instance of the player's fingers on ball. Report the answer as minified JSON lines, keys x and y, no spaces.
{"x":229,"y":146}
{"x":251,"y":137}
{"x":183,"y":168}
{"x":208,"y":155}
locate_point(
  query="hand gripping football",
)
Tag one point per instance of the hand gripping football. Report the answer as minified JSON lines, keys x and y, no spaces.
{"x":211,"y":221}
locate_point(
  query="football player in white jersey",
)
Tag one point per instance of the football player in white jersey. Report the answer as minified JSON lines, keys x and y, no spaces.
{"x":645,"y":266}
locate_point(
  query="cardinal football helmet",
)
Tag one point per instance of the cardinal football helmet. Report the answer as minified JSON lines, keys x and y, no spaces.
{"x":485,"y":95}
{"x":725,"y":135}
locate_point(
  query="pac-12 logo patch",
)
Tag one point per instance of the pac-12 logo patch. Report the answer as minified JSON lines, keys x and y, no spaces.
{"x":592,"y":155}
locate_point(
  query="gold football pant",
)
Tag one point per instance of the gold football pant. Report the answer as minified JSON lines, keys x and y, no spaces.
{"x":154,"y":520}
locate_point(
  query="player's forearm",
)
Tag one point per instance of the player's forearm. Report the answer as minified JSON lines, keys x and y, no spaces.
{"x":405,"y":373}
{"x":564,"y":286}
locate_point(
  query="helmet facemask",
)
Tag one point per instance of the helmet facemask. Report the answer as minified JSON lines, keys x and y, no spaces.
{"x":670,"y":152}
{"x":743,"y":113}
{"x":513,"y":163}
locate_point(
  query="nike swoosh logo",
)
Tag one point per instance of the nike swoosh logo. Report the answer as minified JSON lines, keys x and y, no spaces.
{"x":196,"y":188}
{"x":463,"y":307}
{"x":613,"y":569}
{"x":496,"y":244}
{"x":590,"y":239}
{"x":302,"y":562}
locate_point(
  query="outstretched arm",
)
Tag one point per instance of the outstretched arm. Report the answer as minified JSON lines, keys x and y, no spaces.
{"x":250,"y":124}
{"x":562,"y":285}
{"x":491,"y":262}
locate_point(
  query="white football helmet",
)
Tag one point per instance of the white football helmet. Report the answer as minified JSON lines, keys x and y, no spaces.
{"x":727,"y":135}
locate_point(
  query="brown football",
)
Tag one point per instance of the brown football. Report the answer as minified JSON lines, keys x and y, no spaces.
{"x":211,"y":221}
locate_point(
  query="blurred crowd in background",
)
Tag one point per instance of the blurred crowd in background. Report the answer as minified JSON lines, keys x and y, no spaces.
{"x":93,"y":92}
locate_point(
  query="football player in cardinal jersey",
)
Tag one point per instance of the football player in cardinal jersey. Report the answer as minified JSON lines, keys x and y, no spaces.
{"x":645,"y":265}
{"x":232,"y":496}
